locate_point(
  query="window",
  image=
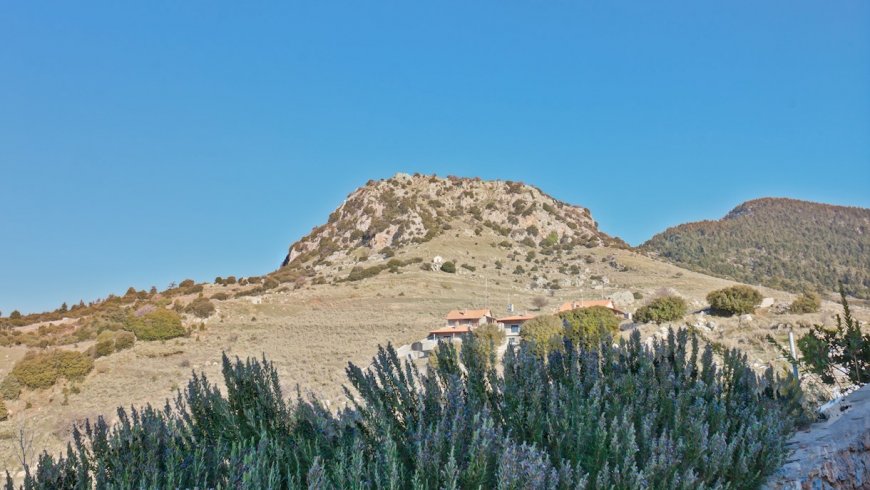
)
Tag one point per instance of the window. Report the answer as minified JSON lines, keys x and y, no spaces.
{"x":515,"y":328}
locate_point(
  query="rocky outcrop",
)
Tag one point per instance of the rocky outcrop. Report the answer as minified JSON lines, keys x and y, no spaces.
{"x":385,"y":215}
{"x":834,"y":454}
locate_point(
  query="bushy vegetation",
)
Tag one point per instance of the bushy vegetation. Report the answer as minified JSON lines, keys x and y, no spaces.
{"x":844,"y":349}
{"x":626,"y":416}
{"x":781,"y":243}
{"x":490,"y":337}
{"x":111,"y":341}
{"x":544,"y":333}
{"x":588,"y":326}
{"x":10,"y":388}
{"x":449,"y":267}
{"x":200,"y":307}
{"x":43,"y":369}
{"x":160,"y":324}
{"x":806,"y":303}
{"x":734,"y":300}
{"x":4,"y":412}
{"x":662,"y":309}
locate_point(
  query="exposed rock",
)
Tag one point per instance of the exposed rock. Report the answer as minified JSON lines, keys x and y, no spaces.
{"x":767,"y":303}
{"x":405,"y":210}
{"x":834,"y":454}
{"x":622,"y":298}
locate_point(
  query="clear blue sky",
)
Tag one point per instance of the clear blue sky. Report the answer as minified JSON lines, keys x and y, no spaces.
{"x":143,"y":144}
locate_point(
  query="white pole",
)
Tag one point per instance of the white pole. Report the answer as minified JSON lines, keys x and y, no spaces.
{"x":793,"y":353}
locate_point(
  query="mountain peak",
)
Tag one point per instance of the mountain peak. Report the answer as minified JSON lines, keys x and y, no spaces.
{"x":405,"y":210}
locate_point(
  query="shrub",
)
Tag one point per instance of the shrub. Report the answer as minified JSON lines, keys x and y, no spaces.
{"x":105,"y":344}
{"x":806,"y":303}
{"x":270,"y":283}
{"x":449,"y":267}
{"x":468,"y":267}
{"x":844,"y":349}
{"x":662,"y":309}
{"x":539,"y":302}
{"x":15,"y":315}
{"x":124,"y":340}
{"x":186,"y":283}
{"x":42,"y":369}
{"x":544,"y":333}
{"x":589,"y":326}
{"x":4,"y":413}
{"x":490,"y":338}
{"x":625,"y":416}
{"x":220,"y":296}
{"x":10,"y":388}
{"x":734,"y":300}
{"x":200,"y":307}
{"x":160,"y":324}
{"x":637,"y":295}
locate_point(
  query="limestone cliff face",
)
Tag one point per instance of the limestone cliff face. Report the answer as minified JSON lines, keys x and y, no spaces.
{"x":405,"y":209}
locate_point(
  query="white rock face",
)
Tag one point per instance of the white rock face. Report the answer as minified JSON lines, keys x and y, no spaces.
{"x":767,"y":303}
{"x":622,"y":298}
{"x":833,"y":454}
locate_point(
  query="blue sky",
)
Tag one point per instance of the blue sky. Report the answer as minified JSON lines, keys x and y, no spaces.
{"x":143,"y":144}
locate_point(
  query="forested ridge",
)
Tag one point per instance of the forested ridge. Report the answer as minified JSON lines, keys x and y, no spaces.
{"x":782,"y":243}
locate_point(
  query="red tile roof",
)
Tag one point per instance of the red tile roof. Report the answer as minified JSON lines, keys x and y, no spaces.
{"x":450,"y":330}
{"x":515,"y":318}
{"x":468,"y":314}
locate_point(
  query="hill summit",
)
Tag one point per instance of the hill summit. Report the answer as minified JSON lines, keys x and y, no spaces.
{"x":384,"y":216}
{"x":781,"y":243}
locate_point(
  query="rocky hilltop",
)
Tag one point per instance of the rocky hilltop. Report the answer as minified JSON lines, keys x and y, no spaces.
{"x":384,"y":216}
{"x":780,"y":243}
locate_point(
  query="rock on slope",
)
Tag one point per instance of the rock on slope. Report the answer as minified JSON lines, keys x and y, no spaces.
{"x":386,"y":215}
{"x":780,"y":243}
{"x":834,"y":454}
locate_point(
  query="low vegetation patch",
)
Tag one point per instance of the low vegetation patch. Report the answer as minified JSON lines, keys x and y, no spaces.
{"x":734,"y":300}
{"x":43,"y":369}
{"x":160,"y":324}
{"x":806,"y":303}
{"x":625,"y":416}
{"x":662,"y":309}
{"x":200,"y":307}
{"x":588,"y":326}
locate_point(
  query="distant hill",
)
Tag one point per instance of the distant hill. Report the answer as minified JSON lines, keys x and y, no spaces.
{"x":385,"y":216}
{"x":781,"y":243}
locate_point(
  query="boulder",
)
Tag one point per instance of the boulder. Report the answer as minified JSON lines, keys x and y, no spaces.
{"x":622,"y":298}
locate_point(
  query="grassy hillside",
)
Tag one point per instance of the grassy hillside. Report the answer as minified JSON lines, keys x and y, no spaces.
{"x":781,"y":243}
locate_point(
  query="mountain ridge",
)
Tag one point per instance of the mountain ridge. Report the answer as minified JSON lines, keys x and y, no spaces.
{"x":778,"y":242}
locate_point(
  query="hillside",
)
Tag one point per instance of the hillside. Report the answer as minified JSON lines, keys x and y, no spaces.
{"x":781,"y":243}
{"x":383,"y":216}
{"x":353,"y":284}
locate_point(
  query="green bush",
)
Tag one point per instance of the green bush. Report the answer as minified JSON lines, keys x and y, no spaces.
{"x":833,"y":352}
{"x":806,"y":303}
{"x":200,"y":307}
{"x":4,"y":413}
{"x":160,"y":324}
{"x":220,"y":296}
{"x":490,"y":338}
{"x":105,"y":344}
{"x":734,"y":300}
{"x":42,"y":369}
{"x":124,"y":340}
{"x":623,"y":417}
{"x":544,"y":333}
{"x":662,"y":309}
{"x":10,"y":388}
{"x":589,"y":326}
{"x":448,"y":267}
